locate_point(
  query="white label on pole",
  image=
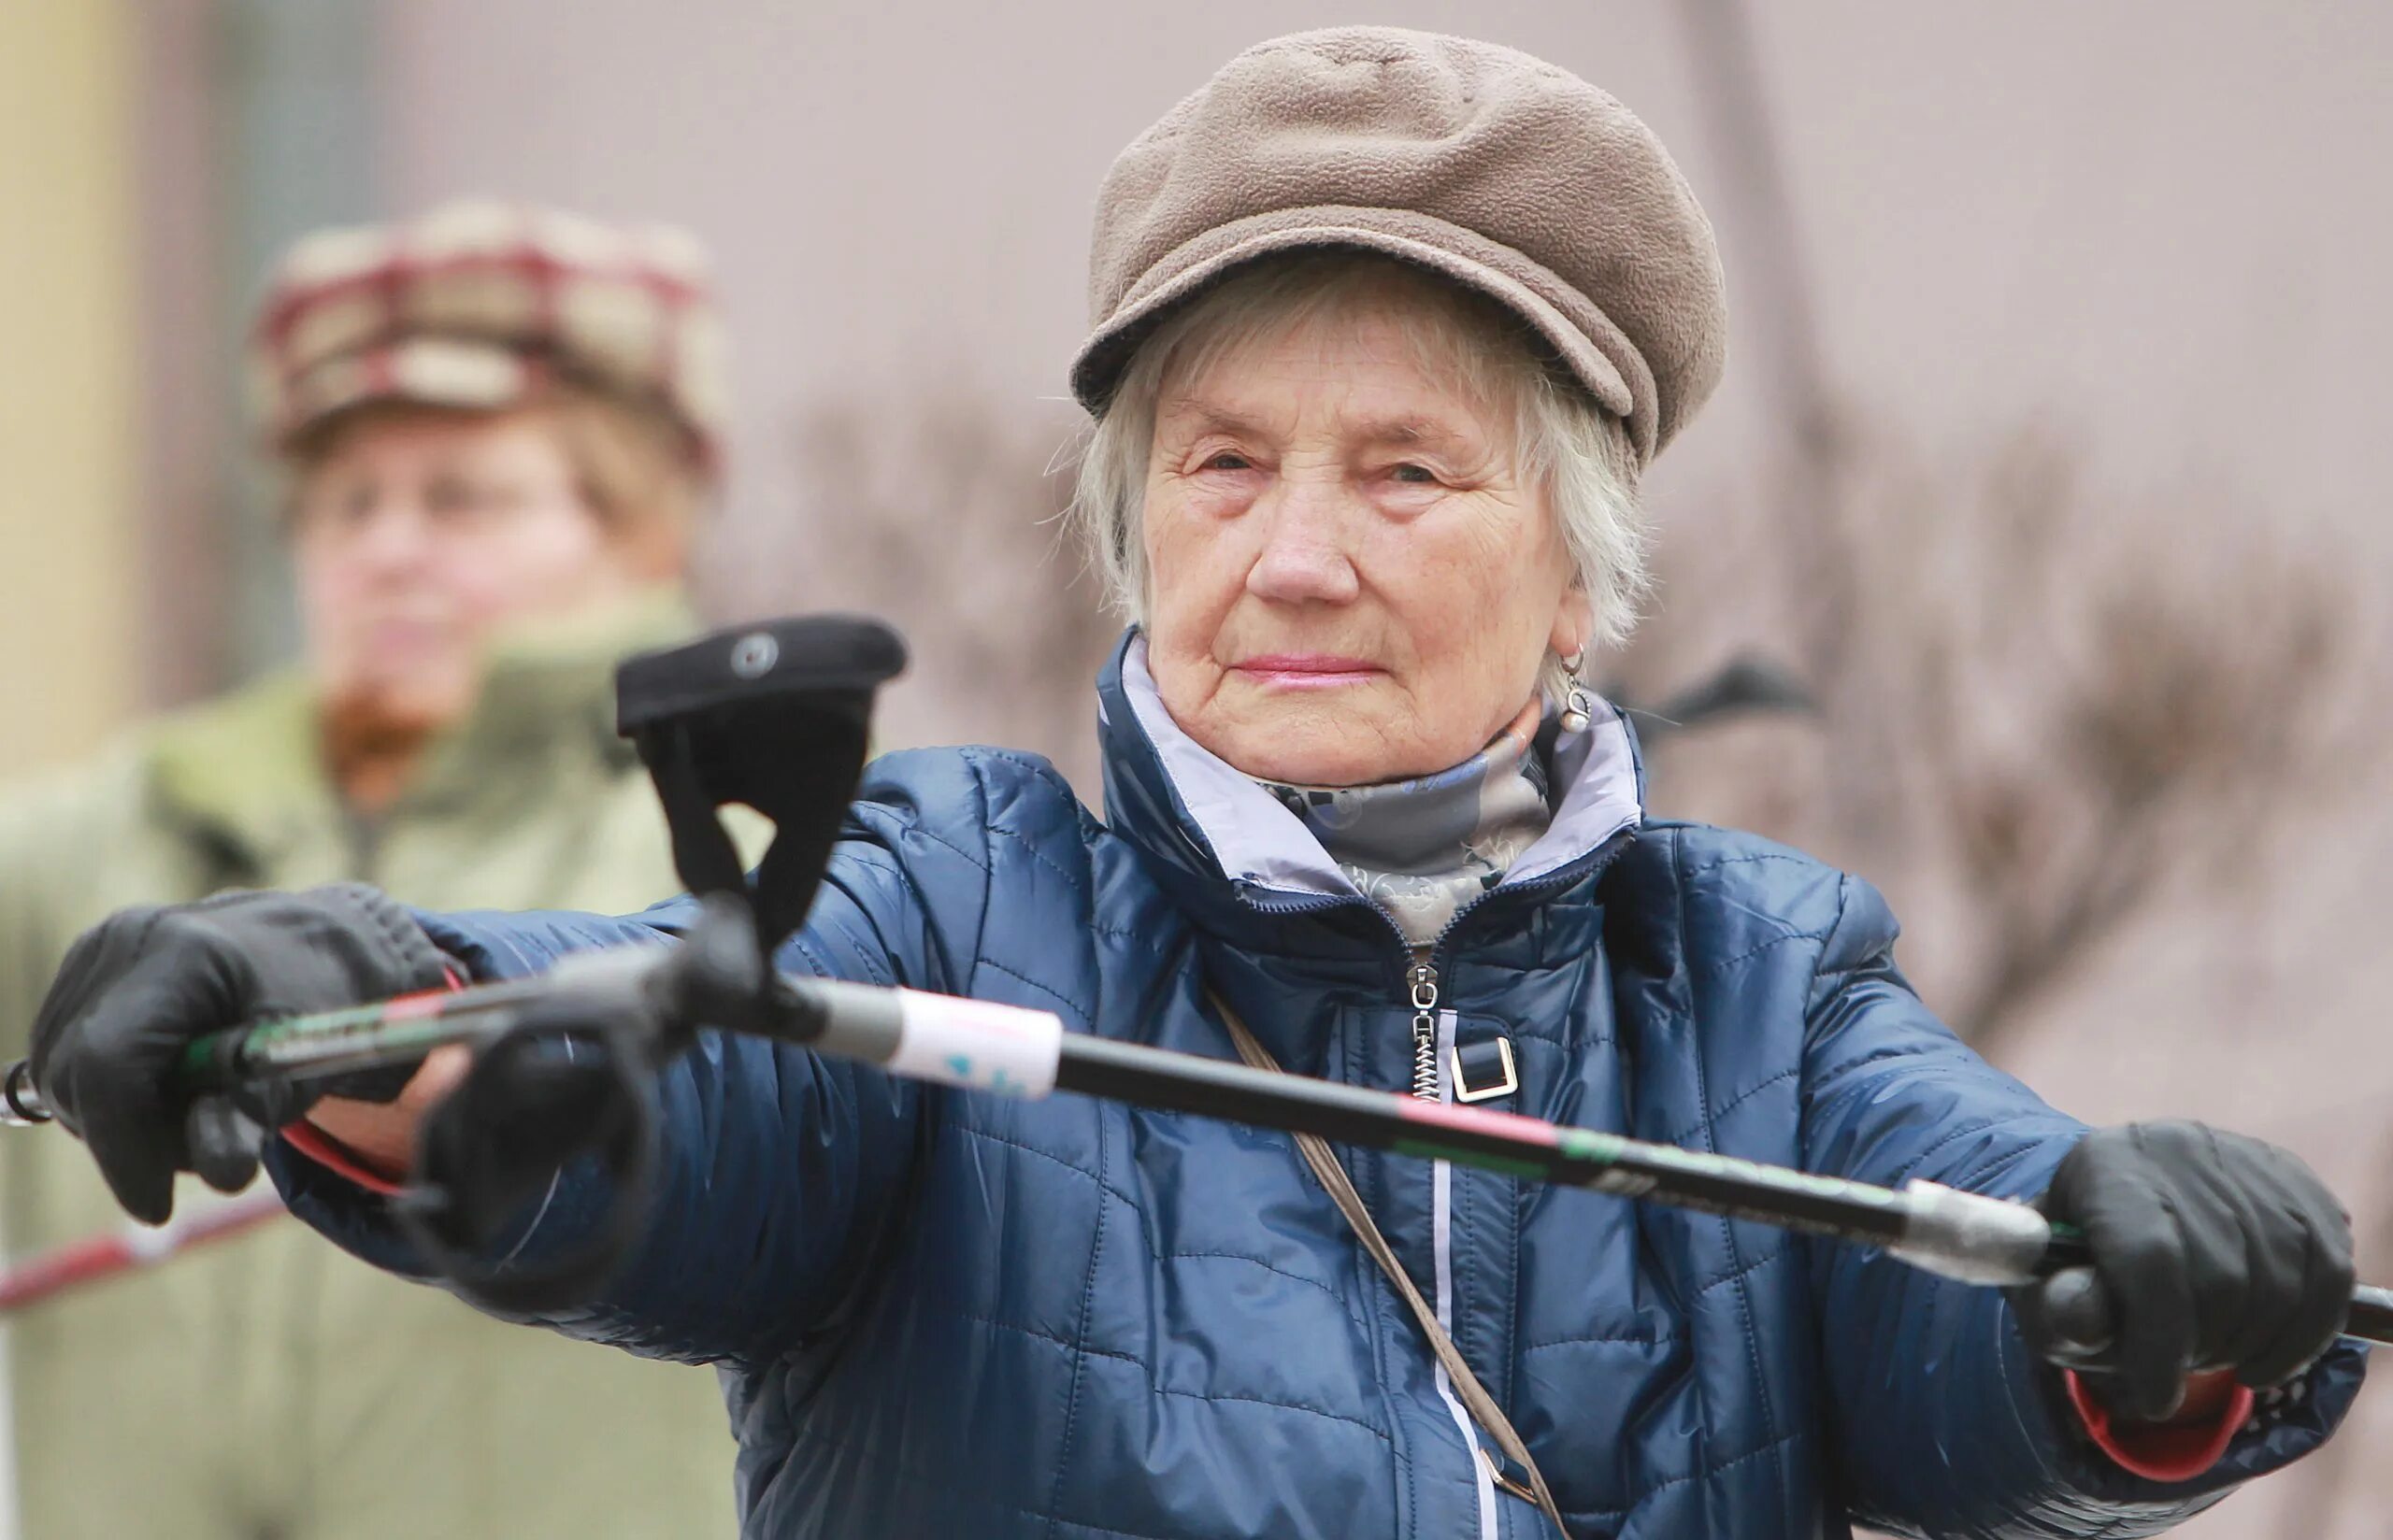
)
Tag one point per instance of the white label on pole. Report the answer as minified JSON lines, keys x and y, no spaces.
{"x":976,"y":1045}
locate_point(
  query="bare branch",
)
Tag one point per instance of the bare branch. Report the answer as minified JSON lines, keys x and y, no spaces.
{"x":2069,"y":703}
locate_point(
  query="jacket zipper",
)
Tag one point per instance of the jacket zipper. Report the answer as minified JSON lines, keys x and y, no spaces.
{"x":1422,"y":979}
{"x":1421,"y":982}
{"x":1441,"y":1257}
{"x":362,"y":834}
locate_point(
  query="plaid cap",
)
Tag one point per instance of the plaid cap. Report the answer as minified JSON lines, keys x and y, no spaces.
{"x":475,"y":304}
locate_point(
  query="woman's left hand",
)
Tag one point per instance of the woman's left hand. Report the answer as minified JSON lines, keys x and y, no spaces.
{"x":2217,"y":1252}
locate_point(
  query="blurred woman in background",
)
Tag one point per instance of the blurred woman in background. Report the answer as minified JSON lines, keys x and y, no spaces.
{"x":497,"y":428}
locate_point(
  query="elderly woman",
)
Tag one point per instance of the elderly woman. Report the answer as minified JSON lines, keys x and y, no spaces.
{"x":1387,"y":327}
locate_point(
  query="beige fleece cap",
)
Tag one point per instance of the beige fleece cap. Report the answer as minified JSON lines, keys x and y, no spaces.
{"x":1478,"y":162}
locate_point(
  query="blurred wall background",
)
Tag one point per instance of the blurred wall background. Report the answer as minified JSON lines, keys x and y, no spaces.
{"x":67,"y":376}
{"x":2049,"y":454}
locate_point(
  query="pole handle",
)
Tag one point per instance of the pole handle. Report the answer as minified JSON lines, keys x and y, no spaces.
{"x":213,"y":1062}
{"x":2080,"y":1320}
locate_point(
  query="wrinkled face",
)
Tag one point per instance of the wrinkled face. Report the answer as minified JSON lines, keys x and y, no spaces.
{"x":421,"y":532}
{"x":1350,"y":579}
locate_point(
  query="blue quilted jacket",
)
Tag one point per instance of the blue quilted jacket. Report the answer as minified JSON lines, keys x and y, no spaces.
{"x":945,"y":1314}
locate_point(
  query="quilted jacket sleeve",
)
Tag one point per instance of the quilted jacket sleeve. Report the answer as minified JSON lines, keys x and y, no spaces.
{"x":1944,"y":1423}
{"x":781,"y":1169}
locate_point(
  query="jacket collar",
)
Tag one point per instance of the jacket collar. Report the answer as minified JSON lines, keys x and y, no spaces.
{"x":248,"y":769}
{"x":1197,"y":814}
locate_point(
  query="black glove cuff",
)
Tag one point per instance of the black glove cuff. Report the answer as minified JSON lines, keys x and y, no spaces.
{"x":409,"y":958}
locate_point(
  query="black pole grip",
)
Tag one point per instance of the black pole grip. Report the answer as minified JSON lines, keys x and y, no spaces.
{"x":775,"y":717}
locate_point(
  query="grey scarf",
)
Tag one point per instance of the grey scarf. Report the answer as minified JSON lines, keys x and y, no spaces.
{"x":1423,"y":848}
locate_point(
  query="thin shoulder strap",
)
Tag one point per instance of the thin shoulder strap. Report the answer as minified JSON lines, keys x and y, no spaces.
{"x":1340,"y":1187}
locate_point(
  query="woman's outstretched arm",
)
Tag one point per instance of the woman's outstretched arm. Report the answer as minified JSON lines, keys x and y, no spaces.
{"x":780,"y":1171}
{"x":1946,"y":1423}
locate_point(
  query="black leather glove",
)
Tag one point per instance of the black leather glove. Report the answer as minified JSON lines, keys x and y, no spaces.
{"x":137,"y":987}
{"x":2215,"y":1251}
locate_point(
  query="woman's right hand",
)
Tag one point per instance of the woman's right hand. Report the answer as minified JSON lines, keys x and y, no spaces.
{"x":138,"y":987}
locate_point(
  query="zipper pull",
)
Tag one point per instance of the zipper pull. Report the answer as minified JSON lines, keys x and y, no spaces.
{"x":1423,"y":981}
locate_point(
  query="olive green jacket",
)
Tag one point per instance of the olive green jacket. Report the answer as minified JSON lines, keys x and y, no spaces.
{"x":268,"y":1385}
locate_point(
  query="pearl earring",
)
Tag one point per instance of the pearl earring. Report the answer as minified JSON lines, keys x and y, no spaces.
{"x":1578,"y":707}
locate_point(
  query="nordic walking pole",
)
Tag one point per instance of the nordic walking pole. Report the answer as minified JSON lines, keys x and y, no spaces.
{"x":1941,"y":1230}
{"x":1011,"y":1051}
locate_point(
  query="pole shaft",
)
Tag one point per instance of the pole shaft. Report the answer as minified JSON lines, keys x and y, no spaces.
{"x":1496,"y":1141}
{"x":1853,"y":1212}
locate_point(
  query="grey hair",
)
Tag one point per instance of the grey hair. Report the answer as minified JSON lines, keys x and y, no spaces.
{"x":1578,"y":454}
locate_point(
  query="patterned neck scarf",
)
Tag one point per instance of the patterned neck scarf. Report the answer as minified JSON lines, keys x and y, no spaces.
{"x":1422,"y":849}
